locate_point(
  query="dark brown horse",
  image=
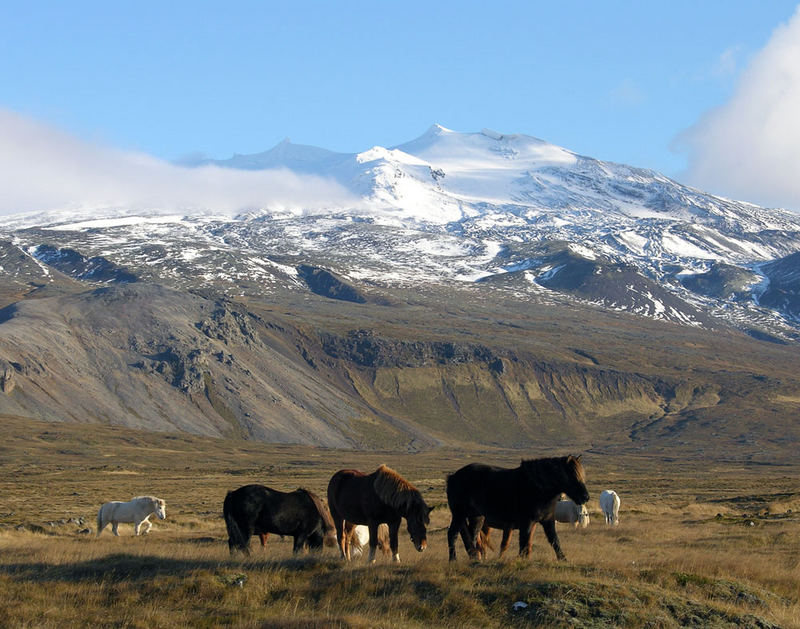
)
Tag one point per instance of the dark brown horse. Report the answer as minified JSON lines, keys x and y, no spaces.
{"x":512,"y":498}
{"x":372,"y":499}
{"x":262,"y":510}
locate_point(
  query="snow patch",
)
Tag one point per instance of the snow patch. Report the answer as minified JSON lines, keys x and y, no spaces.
{"x":549,"y":273}
{"x":582,"y":251}
{"x":125,"y":221}
{"x":679,"y":246}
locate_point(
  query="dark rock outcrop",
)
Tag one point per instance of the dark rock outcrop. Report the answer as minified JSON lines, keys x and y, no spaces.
{"x":326,"y":284}
{"x":78,"y":266}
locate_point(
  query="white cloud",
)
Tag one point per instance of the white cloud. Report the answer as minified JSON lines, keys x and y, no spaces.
{"x":627,"y":94}
{"x":750,"y":147}
{"x":727,"y":63}
{"x":43,"y":168}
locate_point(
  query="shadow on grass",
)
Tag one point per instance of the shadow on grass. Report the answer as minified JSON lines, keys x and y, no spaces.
{"x":132,"y":568}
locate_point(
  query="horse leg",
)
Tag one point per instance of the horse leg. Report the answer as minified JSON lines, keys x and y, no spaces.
{"x":247,"y":532}
{"x":341,"y":540}
{"x":348,"y":532}
{"x":100,"y":526}
{"x":457,"y":526}
{"x":530,"y":539}
{"x":525,"y":533}
{"x":549,"y":527}
{"x":299,"y":541}
{"x":136,"y":526}
{"x":263,"y":537}
{"x":373,"y":539}
{"x":148,"y":523}
{"x":483,"y":542}
{"x":114,"y":527}
{"x":465,"y":538}
{"x":394,"y":527}
{"x":472,"y":527}
{"x":506,"y":540}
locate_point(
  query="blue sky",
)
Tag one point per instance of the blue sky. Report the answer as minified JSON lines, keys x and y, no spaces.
{"x":622,"y":81}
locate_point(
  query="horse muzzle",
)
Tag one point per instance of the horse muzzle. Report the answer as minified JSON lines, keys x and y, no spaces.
{"x":422,"y":545}
{"x":582,"y":499}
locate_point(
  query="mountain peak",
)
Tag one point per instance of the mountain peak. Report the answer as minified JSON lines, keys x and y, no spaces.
{"x":437,"y":129}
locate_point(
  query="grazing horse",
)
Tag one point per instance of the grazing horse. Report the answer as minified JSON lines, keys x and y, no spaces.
{"x":512,"y":498}
{"x":609,"y":505}
{"x":570,"y":513}
{"x":137,"y":511}
{"x":259,"y":509}
{"x":372,"y":499}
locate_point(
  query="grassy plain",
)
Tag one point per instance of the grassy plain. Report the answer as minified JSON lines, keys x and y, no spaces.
{"x":700,"y":543}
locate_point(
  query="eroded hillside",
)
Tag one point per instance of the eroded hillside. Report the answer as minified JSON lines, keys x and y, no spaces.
{"x":413,"y":375}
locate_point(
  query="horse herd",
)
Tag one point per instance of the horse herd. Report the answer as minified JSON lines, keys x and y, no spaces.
{"x":480,"y":497}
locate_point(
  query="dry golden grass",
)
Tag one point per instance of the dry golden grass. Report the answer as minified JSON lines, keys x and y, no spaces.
{"x":684,"y":553}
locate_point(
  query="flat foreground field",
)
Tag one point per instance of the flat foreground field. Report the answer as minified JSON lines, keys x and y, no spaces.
{"x":704,"y":543}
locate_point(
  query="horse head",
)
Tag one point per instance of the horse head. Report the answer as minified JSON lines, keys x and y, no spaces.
{"x":161,"y":508}
{"x":583,"y":516}
{"x":576,"y":480}
{"x":417,"y":520}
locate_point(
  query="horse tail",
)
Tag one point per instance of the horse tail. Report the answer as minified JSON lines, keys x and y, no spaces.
{"x":324,"y":512}
{"x":449,"y":490}
{"x":235,"y":535}
{"x":333,"y":490}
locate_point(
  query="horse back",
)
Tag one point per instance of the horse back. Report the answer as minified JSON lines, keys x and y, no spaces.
{"x":503,"y":495}
{"x":352,"y":497}
{"x":479,"y":483}
{"x":246,"y":503}
{"x":294,"y":510}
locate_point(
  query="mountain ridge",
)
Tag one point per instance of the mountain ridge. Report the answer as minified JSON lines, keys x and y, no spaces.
{"x":487,"y":288}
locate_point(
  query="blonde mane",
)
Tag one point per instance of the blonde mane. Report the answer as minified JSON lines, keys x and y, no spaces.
{"x":153,"y":499}
{"x":393,"y":489}
{"x":577,"y":467}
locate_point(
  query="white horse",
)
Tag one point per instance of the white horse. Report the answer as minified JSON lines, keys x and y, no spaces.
{"x":357,"y":539}
{"x":609,"y":505}
{"x":137,"y":511}
{"x":567,"y":511}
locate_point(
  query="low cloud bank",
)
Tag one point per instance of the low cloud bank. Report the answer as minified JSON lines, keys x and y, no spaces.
{"x":749,"y":148}
{"x":42,"y":168}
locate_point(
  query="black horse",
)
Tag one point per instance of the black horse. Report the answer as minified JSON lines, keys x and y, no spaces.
{"x":512,"y":498}
{"x":258,"y":509}
{"x":372,"y":499}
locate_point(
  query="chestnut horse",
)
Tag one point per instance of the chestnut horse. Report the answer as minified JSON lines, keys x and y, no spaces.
{"x":512,"y":498}
{"x":372,"y":499}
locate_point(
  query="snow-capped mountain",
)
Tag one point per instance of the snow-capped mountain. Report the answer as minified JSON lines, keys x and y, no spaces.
{"x":479,"y":289}
{"x":483,"y":211}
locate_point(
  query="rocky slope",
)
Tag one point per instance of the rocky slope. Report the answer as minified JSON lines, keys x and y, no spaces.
{"x":145,"y":356}
{"x":490,"y":289}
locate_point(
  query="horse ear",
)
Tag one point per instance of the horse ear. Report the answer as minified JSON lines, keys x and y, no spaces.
{"x":579,"y":457}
